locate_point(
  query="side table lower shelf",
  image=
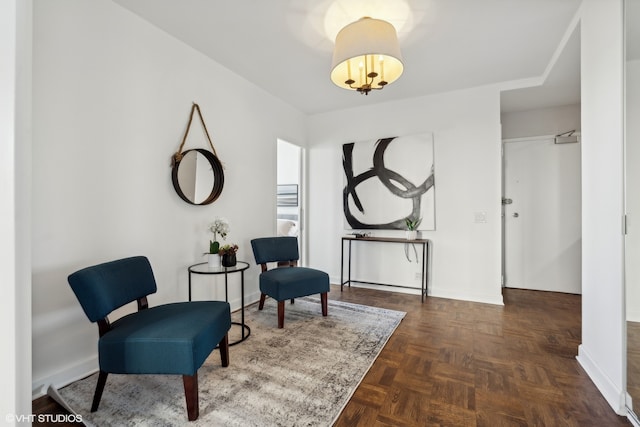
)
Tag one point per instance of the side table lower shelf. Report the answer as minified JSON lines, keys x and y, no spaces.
{"x":241,"y":266}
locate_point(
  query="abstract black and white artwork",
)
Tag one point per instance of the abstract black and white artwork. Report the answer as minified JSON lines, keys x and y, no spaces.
{"x":388,"y":180}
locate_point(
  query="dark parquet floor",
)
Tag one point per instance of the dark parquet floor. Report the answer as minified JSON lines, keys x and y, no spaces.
{"x":458,"y":363}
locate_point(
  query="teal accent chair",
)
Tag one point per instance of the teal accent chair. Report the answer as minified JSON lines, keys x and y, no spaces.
{"x":173,"y":338}
{"x":287,"y":281}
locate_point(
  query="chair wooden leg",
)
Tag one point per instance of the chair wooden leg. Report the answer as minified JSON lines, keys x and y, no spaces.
{"x":261,"y":305}
{"x":191,"y":395}
{"x":323,"y":302}
{"x":102,"y":380}
{"x":280,"y":314}
{"x":224,"y":350}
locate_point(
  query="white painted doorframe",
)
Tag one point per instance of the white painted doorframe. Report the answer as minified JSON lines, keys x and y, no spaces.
{"x":541,"y":215}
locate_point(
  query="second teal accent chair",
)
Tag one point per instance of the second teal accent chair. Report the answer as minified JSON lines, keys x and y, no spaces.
{"x":287,"y":281}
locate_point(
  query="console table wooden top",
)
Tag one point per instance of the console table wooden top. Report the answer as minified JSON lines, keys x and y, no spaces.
{"x":386,"y":239}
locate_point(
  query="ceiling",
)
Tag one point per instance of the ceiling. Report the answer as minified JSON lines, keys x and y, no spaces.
{"x":285,"y":46}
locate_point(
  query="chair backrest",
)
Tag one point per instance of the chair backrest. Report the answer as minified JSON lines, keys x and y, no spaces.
{"x":105,"y":287}
{"x":274,"y":249}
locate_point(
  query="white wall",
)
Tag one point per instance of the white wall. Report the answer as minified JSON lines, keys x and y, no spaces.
{"x":15,"y":152}
{"x":466,"y":128}
{"x":632,"y":203}
{"x":541,"y":121}
{"x":23,"y":159}
{"x":602,"y":350}
{"x":112,"y":96}
{"x":9,"y":335}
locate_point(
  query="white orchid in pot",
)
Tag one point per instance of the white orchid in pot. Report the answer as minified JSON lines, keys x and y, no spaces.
{"x":219,"y":227}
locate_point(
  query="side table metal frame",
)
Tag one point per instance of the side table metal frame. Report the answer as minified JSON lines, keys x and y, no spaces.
{"x":241,"y":266}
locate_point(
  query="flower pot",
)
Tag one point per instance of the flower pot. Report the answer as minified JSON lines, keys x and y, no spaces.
{"x":412,"y":234}
{"x":229,"y":260}
{"x":213,"y":260}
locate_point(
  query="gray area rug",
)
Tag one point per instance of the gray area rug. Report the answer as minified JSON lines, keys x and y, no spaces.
{"x":302,"y":375}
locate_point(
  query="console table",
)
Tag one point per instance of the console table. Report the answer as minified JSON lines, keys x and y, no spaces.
{"x":241,"y":266}
{"x":426,"y":247}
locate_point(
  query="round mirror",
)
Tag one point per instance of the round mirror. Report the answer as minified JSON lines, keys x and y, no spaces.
{"x":198,"y":177}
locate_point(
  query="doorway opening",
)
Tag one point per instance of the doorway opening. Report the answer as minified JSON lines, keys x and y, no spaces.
{"x":290,"y":194}
{"x":542,"y":189}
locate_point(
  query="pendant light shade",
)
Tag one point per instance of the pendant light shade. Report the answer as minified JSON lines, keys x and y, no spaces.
{"x":366,"y":56}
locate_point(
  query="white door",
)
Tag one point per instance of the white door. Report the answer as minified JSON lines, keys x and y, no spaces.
{"x":542,"y":215}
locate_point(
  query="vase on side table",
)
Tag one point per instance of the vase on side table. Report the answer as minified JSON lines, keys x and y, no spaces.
{"x":229,"y":260}
{"x":213,"y":260}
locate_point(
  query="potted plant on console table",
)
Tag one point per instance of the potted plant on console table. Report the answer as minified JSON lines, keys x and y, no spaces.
{"x":412,"y":227}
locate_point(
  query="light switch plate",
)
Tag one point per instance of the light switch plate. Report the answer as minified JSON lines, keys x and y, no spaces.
{"x":480,"y":217}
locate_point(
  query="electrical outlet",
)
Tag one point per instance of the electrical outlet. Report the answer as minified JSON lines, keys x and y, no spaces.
{"x":418,"y":276}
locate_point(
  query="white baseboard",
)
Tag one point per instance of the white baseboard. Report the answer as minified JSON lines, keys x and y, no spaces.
{"x":411,"y":291}
{"x":612,"y":394}
{"x":434,"y":292}
{"x":485,"y":299}
{"x":64,"y":377}
{"x":249,"y":299}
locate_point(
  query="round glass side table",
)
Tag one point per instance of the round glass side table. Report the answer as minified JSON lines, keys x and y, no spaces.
{"x":240,"y":267}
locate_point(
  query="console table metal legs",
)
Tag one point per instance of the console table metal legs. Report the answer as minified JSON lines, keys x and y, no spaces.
{"x":424,"y":275}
